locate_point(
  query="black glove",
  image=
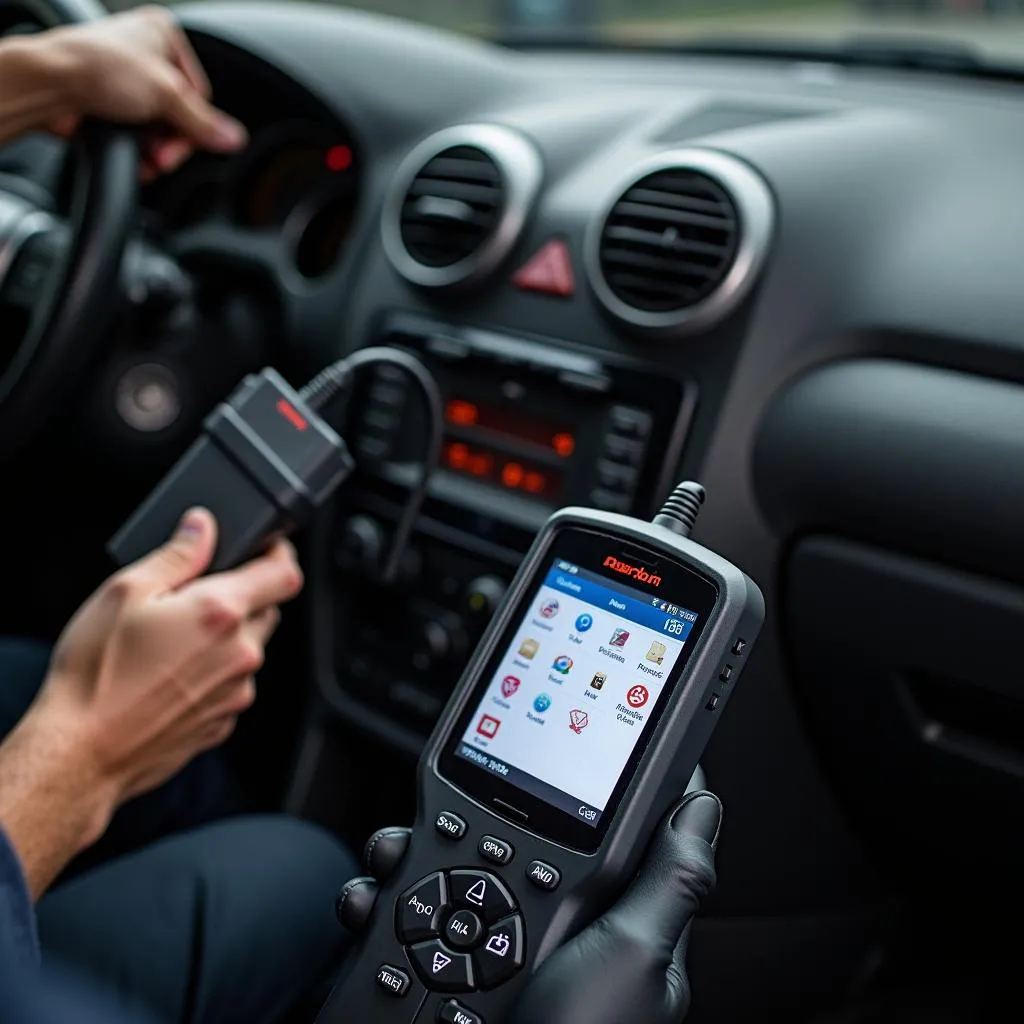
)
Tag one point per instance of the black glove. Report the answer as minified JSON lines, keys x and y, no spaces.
{"x":630,"y":964}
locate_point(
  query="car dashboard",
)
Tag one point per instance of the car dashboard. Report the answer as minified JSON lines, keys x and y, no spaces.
{"x":797,"y":282}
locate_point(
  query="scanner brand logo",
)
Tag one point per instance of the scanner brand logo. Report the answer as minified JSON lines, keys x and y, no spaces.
{"x":639,"y":574}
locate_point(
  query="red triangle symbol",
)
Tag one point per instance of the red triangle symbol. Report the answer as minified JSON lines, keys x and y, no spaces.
{"x":549,"y":270}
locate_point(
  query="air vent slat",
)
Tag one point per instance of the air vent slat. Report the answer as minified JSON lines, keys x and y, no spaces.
{"x":452,"y":206}
{"x":448,"y":168}
{"x":482,"y":195}
{"x":658,"y":266}
{"x":669,"y":242}
{"x":645,"y":211}
{"x":654,"y":240}
{"x":657,"y":291}
{"x":652,"y":197}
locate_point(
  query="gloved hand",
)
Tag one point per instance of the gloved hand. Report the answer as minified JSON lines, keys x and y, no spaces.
{"x":633,"y":958}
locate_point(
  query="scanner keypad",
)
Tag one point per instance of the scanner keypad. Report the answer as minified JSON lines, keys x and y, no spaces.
{"x":462,"y":930}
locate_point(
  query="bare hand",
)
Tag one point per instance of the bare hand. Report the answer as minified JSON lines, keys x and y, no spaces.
{"x":157,"y":665}
{"x":139,"y":68}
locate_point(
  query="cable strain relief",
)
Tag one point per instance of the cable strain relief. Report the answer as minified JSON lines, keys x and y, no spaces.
{"x":325,"y":386}
{"x":681,"y":508}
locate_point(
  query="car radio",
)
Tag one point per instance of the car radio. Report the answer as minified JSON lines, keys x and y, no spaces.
{"x":530,"y":426}
{"x":527,"y":420}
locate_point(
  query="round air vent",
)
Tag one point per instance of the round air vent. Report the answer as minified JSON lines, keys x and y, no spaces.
{"x":682,"y":241}
{"x":458,"y":204}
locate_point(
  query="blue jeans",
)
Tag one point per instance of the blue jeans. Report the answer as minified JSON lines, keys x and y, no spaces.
{"x":191,"y":920}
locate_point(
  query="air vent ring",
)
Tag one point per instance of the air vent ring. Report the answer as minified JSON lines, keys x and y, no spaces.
{"x":733,"y":186}
{"x":519,"y":172}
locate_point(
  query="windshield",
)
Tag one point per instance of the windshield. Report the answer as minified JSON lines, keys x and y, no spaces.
{"x":991,"y":30}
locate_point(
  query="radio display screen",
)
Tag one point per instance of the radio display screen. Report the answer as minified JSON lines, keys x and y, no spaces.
{"x":507,"y":471}
{"x":507,"y":448}
{"x":552,"y":437}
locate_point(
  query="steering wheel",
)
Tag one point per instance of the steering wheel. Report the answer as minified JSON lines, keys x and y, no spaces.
{"x":72,"y":306}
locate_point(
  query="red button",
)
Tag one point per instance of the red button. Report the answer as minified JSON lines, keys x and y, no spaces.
{"x":548,"y":271}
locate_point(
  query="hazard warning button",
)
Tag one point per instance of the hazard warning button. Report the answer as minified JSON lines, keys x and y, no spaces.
{"x":549,"y":271}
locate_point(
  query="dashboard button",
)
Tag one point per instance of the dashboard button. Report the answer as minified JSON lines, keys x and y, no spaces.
{"x":502,"y":953}
{"x":726,"y":674}
{"x":631,"y":421}
{"x":623,"y":449}
{"x":482,"y":892}
{"x":441,"y":968}
{"x":450,"y":825}
{"x":496,"y":850}
{"x":484,"y":594}
{"x":739,"y":647}
{"x":609,"y":500}
{"x":712,"y":702}
{"x":615,"y":476}
{"x":463,"y":929}
{"x":393,"y":980}
{"x":452,"y":1012}
{"x":544,"y":876}
{"x":387,"y":395}
{"x":419,"y":909}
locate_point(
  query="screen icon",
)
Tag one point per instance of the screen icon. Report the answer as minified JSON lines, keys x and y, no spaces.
{"x":509,"y":685}
{"x":637,"y":696}
{"x":528,"y":648}
{"x":600,"y":678}
{"x":488,"y":726}
{"x":657,"y":652}
{"x":549,"y":609}
{"x":619,"y":638}
{"x":562,"y":664}
{"x":541,"y":703}
{"x":663,"y":606}
{"x":578,"y":720}
{"x":584,"y":622}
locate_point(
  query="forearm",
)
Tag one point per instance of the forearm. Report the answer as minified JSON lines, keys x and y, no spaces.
{"x":35,"y":84}
{"x":53,"y":803}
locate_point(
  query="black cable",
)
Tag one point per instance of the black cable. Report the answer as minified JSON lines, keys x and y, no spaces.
{"x":337,"y":377}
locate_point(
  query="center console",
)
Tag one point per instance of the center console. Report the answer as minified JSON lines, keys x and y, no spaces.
{"x":531,"y":425}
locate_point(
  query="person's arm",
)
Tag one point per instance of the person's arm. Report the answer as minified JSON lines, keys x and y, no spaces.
{"x":35,"y":87}
{"x":135,"y":68}
{"x":53,"y":801}
{"x":153,"y":669}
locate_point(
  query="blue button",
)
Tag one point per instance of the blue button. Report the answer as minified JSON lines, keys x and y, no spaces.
{"x":584,"y":622}
{"x":541,"y":703}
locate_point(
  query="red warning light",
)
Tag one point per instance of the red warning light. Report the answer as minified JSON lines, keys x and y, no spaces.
{"x":458,"y":456}
{"x":564,"y":444}
{"x":480,"y":465}
{"x":338,"y":158}
{"x":533,"y":483}
{"x":463,"y":414}
{"x":512,"y":474}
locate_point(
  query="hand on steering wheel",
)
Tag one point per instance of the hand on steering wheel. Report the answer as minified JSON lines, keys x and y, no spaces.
{"x":633,"y":958}
{"x":134,"y":69}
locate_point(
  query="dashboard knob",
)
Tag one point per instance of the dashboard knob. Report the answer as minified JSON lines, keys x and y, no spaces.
{"x":484,"y":595}
{"x":435,"y":645}
{"x":440,"y":642}
{"x":361,"y":545}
